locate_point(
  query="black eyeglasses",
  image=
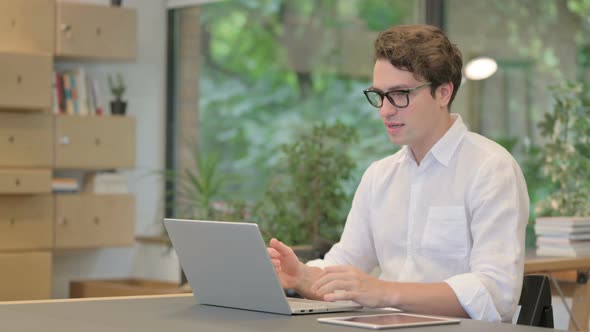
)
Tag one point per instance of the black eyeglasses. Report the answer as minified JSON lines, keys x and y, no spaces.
{"x":398,"y":98}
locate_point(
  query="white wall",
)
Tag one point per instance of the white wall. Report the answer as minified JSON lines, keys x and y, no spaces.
{"x":146,"y":89}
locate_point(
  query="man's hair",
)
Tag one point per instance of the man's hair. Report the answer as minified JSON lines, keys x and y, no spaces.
{"x":423,"y":50}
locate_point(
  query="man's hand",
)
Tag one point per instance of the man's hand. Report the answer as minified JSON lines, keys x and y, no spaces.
{"x":286,"y":264}
{"x":348,"y":283}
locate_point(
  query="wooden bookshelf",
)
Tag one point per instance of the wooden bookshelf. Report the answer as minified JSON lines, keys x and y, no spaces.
{"x":34,"y":222}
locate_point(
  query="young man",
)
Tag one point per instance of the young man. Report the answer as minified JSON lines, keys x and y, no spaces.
{"x":444,"y":218}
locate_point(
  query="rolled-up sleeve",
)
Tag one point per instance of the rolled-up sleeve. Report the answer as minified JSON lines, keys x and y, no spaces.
{"x":356,"y":246}
{"x":500,"y":209}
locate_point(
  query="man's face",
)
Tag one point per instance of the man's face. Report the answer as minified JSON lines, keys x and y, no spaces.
{"x":416,"y":125}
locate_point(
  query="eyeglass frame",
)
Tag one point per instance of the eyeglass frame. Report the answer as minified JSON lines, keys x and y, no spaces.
{"x":384,"y":95}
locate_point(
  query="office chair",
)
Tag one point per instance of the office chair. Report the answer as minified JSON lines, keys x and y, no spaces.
{"x":535,"y":302}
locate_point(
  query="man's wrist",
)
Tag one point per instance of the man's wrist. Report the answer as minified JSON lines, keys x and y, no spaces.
{"x":303,"y":283}
{"x":308,"y":275}
{"x":392,"y":293}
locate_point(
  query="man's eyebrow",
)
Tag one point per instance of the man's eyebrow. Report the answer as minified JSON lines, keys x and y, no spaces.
{"x":391,"y":88}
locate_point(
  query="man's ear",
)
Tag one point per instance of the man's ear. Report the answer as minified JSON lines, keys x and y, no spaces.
{"x":444,"y":93}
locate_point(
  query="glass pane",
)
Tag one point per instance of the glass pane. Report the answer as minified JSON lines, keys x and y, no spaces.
{"x":538,"y":45}
{"x":273,"y":69}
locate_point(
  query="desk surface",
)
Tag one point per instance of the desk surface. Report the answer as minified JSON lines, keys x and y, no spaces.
{"x":181,"y":313}
{"x":535,"y":264}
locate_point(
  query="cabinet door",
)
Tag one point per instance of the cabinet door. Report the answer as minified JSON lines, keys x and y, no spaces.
{"x":25,"y":82}
{"x":94,"y":142}
{"x":91,"y":221}
{"x":93,"y":31}
{"x":26,"y":222}
{"x":26,"y":140}
{"x":27,"y":25}
{"x":25,"y":276}
{"x":25,"y":181}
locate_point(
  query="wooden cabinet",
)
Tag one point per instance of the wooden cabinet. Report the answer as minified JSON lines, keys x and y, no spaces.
{"x":89,"y":221}
{"x":27,"y":25}
{"x":25,"y":81}
{"x":25,"y":276}
{"x":33,"y":221}
{"x":25,"y":181}
{"x":95,"y":31}
{"x":26,"y":140}
{"x":26,"y":222}
{"x":94,"y":142}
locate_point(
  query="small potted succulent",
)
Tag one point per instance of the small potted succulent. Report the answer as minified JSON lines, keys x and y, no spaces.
{"x":118,"y":106}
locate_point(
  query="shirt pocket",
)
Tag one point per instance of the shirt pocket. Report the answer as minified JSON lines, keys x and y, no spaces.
{"x":446,"y":232}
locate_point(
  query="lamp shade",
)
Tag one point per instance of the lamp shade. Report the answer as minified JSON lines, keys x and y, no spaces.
{"x":480,"y":68}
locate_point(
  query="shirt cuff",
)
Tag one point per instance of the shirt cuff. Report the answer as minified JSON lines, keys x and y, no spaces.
{"x":474,"y":297}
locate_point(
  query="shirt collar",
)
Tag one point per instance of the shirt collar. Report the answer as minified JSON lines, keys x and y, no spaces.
{"x":445,"y":147}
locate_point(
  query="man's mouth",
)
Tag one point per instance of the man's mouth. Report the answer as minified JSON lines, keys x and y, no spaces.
{"x":395,"y":125}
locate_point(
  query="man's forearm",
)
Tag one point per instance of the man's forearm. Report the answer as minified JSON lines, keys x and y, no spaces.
{"x":426,"y":298}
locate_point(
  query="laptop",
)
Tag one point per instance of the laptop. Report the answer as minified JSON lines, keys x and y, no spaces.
{"x":227,"y":264}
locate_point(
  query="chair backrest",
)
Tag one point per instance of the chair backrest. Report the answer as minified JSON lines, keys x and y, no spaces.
{"x":535,"y":301}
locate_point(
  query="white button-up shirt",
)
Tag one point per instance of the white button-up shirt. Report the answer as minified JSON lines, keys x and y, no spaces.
{"x":458,"y":217}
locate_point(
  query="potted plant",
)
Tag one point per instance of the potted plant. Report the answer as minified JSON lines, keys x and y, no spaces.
{"x":118,"y":106}
{"x":307,"y":203}
{"x":200,"y":193}
{"x":566,"y":163}
{"x":566,"y":153}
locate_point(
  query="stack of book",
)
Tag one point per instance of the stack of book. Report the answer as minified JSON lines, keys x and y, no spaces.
{"x":106,"y":183}
{"x":61,"y":184}
{"x":76,"y":93}
{"x":563,"y":236}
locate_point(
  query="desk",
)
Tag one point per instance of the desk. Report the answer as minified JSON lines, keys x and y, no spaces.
{"x":579,"y":291}
{"x":180,"y":313}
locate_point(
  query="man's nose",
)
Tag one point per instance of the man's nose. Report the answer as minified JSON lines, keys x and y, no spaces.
{"x":387,"y":109}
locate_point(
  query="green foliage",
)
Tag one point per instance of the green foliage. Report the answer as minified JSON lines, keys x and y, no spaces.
{"x":566,"y":153}
{"x":254,"y":104}
{"x":117,"y":87}
{"x":580,"y":7}
{"x":307,"y":202}
{"x":199,"y":191}
{"x":380,"y":15}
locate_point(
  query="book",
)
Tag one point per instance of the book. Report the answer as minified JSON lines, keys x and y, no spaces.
{"x":542,"y":230}
{"x":67,"y":85}
{"x":563,"y":221}
{"x":83,"y":106}
{"x":74,"y":92}
{"x":64,"y":185}
{"x":61,"y":101}
{"x":565,"y":236}
{"x":54,"y":93}
{"x":106,"y":183}
{"x":562,"y":243}
{"x":563,"y":252}
{"x":97,"y":97}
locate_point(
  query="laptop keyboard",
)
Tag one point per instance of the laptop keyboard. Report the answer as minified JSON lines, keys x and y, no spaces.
{"x":301,"y":304}
{"x":306,"y":306}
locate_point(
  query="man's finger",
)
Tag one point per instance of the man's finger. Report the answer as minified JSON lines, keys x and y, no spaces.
{"x":280,"y":247}
{"x":332,"y":286}
{"x":325,"y":279}
{"x":341,"y":296}
{"x":273,"y":253}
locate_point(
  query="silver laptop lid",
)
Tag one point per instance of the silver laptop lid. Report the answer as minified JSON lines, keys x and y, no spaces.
{"x":227,"y":264}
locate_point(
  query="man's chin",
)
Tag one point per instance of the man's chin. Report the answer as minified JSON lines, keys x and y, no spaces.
{"x":397,"y":140}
